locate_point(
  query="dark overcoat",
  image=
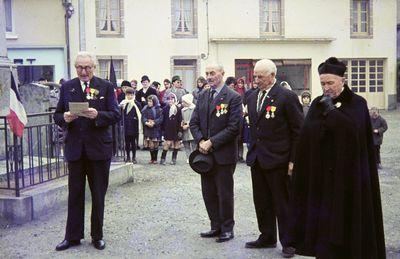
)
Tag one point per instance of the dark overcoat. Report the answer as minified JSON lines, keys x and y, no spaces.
{"x":380,"y":124}
{"x":172,"y":125}
{"x":152,"y":113}
{"x":335,"y":201}
{"x":131,"y":121}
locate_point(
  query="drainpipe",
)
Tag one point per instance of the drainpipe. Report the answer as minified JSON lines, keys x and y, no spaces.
{"x":69,"y":10}
{"x":82,"y":30}
{"x":203,"y":55}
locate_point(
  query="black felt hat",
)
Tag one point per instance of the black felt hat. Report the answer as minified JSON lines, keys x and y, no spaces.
{"x":332,"y":66}
{"x":145,"y":78}
{"x":201,"y":163}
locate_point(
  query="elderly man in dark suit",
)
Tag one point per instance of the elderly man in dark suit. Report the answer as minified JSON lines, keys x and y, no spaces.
{"x":215,"y":127}
{"x":276,"y":117}
{"x":88,"y":147}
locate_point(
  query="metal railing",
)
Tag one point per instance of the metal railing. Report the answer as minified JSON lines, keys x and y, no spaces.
{"x":38,"y":157}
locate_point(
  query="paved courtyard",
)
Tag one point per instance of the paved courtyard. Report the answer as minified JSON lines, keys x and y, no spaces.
{"x":162,"y":213}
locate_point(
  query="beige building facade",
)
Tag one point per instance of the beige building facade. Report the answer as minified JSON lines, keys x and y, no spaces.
{"x":161,"y":38}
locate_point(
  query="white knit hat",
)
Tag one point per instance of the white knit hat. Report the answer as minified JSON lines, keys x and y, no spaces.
{"x":188,"y":98}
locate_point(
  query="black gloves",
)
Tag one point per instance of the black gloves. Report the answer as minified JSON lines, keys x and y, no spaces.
{"x":327,"y":104}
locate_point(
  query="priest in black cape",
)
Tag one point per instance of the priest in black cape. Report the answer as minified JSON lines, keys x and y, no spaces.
{"x":335,"y":207}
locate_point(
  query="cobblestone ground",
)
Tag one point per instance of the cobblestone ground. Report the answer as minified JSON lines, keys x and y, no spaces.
{"x":162,"y":213}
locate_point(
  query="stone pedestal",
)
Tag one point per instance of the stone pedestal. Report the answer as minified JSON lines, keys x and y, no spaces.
{"x":5,"y":65}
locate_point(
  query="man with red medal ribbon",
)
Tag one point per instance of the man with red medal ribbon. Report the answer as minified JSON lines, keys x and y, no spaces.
{"x":275,"y":116}
{"x":88,"y":147}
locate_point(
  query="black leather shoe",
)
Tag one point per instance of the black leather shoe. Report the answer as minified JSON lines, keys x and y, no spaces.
{"x":288,"y":251}
{"x":65,"y":244}
{"x":226,"y":236}
{"x":211,"y":233}
{"x":259,"y":244}
{"x":99,"y":244}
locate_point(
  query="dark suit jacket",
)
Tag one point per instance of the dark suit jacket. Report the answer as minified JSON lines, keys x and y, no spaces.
{"x":223,"y":130}
{"x":273,"y":140}
{"x":92,"y":135}
{"x":140,"y":94}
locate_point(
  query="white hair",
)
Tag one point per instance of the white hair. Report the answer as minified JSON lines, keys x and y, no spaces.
{"x":85,"y":54}
{"x":217,"y":66}
{"x":267,"y":65}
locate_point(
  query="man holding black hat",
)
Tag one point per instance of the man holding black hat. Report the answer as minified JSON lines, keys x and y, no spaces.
{"x":146,"y":91}
{"x":335,"y":203}
{"x":215,"y":127}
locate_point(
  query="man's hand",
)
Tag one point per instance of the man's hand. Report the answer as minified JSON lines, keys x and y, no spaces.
{"x":205,"y":146}
{"x":185,"y":126}
{"x":290,"y":168}
{"x":68,"y":117}
{"x":90,"y":113}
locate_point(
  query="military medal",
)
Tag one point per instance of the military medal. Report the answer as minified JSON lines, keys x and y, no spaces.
{"x":92,"y":93}
{"x":268,"y":109}
{"x":218,"y":107}
{"x":273,"y":109}
{"x":88,"y":96}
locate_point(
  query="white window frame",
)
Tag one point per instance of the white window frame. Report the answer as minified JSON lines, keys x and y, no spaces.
{"x":178,"y":10}
{"x":267,"y":6}
{"x":101,"y":22}
{"x":366,"y":73}
{"x":356,"y":18}
{"x":120,"y":73}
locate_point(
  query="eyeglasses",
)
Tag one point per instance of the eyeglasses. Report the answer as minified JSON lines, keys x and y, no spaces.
{"x":80,"y":68}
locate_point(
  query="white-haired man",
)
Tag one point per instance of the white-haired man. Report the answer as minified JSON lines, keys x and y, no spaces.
{"x":275,"y":116}
{"x":88,"y":147}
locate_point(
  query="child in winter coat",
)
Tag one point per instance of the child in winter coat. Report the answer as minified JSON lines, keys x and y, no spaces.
{"x":132,"y":123}
{"x":187,"y":138}
{"x":172,"y":128}
{"x":152,"y":117}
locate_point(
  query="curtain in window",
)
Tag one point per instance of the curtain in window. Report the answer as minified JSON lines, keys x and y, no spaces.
{"x":177,"y":15}
{"x":114,"y":15}
{"x":188,"y":15}
{"x":102,"y":15}
{"x":275,"y":18}
{"x":118,"y":68}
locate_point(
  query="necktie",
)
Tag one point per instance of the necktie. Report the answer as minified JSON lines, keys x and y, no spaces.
{"x":212,"y":93}
{"x":259,"y":104}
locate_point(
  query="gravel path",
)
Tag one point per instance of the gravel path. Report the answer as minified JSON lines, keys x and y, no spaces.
{"x":162,"y":213}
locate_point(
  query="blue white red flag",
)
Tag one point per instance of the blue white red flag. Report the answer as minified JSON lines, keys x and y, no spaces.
{"x":17,"y":116}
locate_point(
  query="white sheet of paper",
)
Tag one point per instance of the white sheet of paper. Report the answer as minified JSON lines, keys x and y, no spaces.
{"x":78,"y":107}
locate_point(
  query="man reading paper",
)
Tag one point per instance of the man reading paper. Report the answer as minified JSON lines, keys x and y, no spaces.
{"x":88,"y":147}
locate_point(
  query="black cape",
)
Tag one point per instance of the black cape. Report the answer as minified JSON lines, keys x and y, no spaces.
{"x":335,"y":207}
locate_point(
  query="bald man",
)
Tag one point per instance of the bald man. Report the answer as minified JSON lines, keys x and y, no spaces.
{"x":276,"y":116}
{"x":215,"y":127}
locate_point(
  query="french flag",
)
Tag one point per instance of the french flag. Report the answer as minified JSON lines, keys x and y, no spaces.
{"x":17,"y":117}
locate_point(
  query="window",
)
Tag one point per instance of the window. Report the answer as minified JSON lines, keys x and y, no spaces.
{"x":184,"y":18}
{"x":8,"y":11}
{"x":361,"y":18}
{"x":104,"y":68}
{"x":270,"y":17}
{"x":365,"y":75}
{"x":187,"y":70}
{"x":109,"y":17}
